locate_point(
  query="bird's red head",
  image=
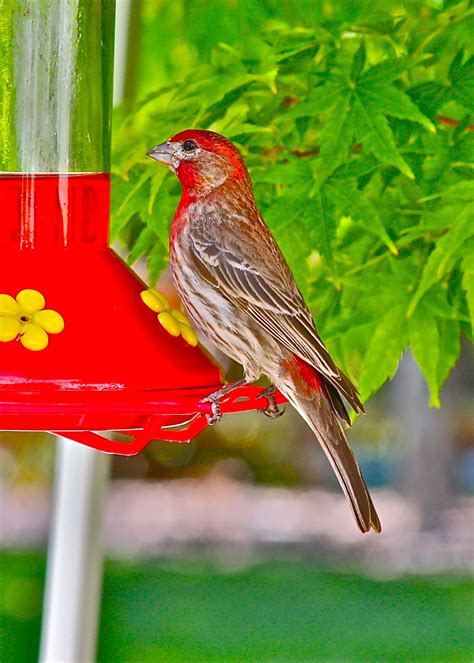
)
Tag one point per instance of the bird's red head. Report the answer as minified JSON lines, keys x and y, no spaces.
{"x":202,"y":160}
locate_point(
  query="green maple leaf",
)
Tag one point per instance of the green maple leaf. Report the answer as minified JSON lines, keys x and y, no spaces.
{"x":323,"y":229}
{"x":385,"y":350}
{"x":387,"y":99}
{"x":468,"y":277}
{"x":353,"y":203}
{"x":373,"y":131}
{"x":425,"y":344}
{"x":157,"y":261}
{"x":129,"y":197}
{"x":449,"y":348}
{"x":447,"y":250}
{"x":336,"y":138}
{"x":360,"y":110}
{"x":145,"y":239}
{"x":462,"y":80}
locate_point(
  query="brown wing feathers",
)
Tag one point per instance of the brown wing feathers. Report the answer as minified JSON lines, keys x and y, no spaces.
{"x":271,"y":297}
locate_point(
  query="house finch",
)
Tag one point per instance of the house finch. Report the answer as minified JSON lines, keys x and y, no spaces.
{"x":239,"y":291}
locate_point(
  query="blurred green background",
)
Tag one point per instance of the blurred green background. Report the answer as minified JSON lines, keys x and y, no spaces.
{"x":189,"y":610}
{"x":231,"y":572}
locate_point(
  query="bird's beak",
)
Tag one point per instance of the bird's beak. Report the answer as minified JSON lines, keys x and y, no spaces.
{"x":163,"y":153}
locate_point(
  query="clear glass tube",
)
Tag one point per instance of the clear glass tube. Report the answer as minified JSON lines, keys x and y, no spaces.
{"x":55,"y":85}
{"x":56,"y":65}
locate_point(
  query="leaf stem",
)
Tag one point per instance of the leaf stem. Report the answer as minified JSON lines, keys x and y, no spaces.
{"x":432,"y":35}
{"x":401,"y":243}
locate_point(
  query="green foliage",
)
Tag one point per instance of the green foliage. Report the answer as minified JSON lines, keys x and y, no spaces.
{"x":340,"y":111}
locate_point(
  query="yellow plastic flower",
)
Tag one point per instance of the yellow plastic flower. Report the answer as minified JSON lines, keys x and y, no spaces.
{"x":26,"y":319}
{"x":173,"y":320}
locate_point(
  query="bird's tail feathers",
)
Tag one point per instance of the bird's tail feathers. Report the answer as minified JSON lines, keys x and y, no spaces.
{"x":316,"y":410}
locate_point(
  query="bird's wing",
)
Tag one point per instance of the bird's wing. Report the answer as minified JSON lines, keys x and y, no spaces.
{"x":265,"y":289}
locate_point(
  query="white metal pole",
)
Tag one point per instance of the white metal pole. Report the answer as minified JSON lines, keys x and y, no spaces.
{"x":75,"y":552}
{"x":74,"y":574}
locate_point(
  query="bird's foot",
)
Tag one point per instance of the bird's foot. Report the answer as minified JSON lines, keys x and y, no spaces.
{"x":271,"y":411}
{"x":215,"y":398}
{"x":216,"y":413}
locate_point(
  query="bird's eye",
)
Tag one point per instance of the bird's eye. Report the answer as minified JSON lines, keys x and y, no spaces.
{"x":189,"y":146}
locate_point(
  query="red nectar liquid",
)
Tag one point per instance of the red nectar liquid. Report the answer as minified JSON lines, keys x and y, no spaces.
{"x":46,"y":211}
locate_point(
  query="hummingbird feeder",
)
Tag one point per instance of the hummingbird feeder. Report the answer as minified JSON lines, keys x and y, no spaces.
{"x":80,"y":352}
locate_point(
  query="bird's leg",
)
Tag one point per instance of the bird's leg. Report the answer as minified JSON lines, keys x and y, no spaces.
{"x":223,"y":391}
{"x":215,"y":398}
{"x":271,"y":411}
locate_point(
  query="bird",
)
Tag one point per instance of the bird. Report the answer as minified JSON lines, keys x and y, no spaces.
{"x":238,"y":290}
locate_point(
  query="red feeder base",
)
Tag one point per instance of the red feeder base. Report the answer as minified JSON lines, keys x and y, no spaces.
{"x":113,"y":367}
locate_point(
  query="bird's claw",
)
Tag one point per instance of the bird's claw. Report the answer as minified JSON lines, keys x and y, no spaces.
{"x":216,"y":412}
{"x":215,"y":400}
{"x":271,"y":411}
